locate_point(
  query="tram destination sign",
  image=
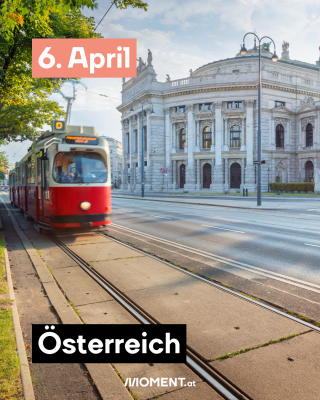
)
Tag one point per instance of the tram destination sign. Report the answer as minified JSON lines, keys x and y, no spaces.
{"x":82,"y":140}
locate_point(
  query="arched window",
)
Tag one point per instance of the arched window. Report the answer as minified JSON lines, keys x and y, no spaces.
{"x":182,"y":139}
{"x":207,"y":138}
{"x":235,"y":136}
{"x":309,"y":136}
{"x":309,"y":171}
{"x":279,"y":136}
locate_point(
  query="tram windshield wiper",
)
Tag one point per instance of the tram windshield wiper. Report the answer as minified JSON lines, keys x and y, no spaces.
{"x":105,"y":172}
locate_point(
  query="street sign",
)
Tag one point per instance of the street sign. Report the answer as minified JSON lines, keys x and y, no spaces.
{"x":257,"y":162}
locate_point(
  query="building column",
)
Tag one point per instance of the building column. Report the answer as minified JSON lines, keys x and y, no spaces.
{"x":174,"y":174}
{"x":243,"y":138}
{"x":130,"y":141}
{"x":218,"y":177}
{"x":226,"y":131}
{"x":226,"y":174}
{"x":198,"y":185}
{"x":212,"y":137}
{"x":288,"y":135}
{"x":197,"y":148}
{"x":212,"y":174}
{"x":168,"y":136}
{"x":123,"y":172}
{"x":249,"y":172}
{"x":242,"y":174}
{"x":173,"y":139}
{"x":148,"y":184}
{"x":190,"y":170}
{"x":139,"y":139}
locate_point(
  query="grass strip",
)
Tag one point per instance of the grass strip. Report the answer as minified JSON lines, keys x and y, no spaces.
{"x":10,"y":381}
{"x":272,"y":341}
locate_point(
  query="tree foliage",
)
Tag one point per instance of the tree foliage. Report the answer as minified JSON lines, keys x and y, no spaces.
{"x":4,"y":163}
{"x":24,"y":104}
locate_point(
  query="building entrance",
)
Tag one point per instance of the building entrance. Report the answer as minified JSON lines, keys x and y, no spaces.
{"x":235,"y":176}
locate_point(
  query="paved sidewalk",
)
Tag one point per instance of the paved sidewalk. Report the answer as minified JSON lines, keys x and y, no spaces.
{"x":283,"y":203}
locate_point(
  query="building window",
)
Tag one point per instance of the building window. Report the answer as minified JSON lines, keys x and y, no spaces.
{"x":235,"y":136}
{"x":145,"y":163}
{"x":309,"y":172}
{"x":309,"y":135}
{"x":236,"y":71}
{"x":181,"y":109}
{"x":207,"y":106}
{"x":234,"y":104}
{"x":207,"y":138}
{"x":279,"y":103}
{"x":279,"y":136}
{"x":182,"y":139}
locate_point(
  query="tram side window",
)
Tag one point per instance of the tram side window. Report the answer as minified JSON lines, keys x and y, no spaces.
{"x":30,"y":177}
{"x":79,"y":167}
{"x":23,"y":173}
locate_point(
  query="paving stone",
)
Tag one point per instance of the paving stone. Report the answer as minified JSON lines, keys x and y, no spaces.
{"x":268,"y":374}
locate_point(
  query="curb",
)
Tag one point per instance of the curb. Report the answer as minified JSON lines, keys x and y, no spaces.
{"x":198,"y":204}
{"x":101,"y":374}
{"x":24,"y":365}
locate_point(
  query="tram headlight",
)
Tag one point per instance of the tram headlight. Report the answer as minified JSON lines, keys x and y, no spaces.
{"x":85,"y":206}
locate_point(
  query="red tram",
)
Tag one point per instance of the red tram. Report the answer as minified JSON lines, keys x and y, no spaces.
{"x":64,"y":181}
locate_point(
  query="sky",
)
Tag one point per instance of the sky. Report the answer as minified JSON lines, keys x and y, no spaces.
{"x":182,"y":35}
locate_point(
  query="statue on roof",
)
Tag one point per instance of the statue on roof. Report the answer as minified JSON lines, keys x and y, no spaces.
{"x":266,"y":46}
{"x":149,"y":57}
{"x":285,"y":46}
{"x":141,"y":64}
{"x":191,"y":73}
{"x":168,"y":78}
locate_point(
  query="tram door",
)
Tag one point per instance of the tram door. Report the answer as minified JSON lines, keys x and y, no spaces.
{"x":39,"y":191}
{"x":43,"y":190}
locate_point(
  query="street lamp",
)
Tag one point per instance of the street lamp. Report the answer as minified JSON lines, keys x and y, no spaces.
{"x":244,"y":51}
{"x":268,"y":170}
{"x":142,"y":142}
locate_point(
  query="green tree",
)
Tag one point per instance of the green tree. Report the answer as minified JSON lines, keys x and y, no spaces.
{"x":24,"y":104}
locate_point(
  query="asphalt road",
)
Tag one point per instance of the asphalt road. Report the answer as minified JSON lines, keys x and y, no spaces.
{"x":282,"y":242}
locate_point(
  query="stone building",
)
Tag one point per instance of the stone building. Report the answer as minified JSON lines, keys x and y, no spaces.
{"x":203,"y":132}
{"x":116,"y":163}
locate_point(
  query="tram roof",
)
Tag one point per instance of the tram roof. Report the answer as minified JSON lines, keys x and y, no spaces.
{"x":78,"y":130}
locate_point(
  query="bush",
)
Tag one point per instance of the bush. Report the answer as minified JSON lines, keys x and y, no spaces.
{"x":292,"y":187}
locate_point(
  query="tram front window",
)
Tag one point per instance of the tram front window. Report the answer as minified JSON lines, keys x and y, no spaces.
{"x":79,"y":167}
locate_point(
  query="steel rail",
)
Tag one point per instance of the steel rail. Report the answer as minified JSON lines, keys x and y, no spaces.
{"x":258,"y":303}
{"x":201,"y":366}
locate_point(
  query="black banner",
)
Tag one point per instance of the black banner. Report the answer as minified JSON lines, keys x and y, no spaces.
{"x":82,"y":140}
{"x":109,"y":343}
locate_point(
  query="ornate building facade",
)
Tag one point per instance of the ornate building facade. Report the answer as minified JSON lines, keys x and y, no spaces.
{"x":203,"y":132}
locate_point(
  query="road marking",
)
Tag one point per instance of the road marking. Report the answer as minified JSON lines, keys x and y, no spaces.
{"x":157,"y":216}
{"x":313,"y":209}
{"x":121,"y":209}
{"x":230,"y":230}
{"x":260,"y":271}
{"x":314,"y":245}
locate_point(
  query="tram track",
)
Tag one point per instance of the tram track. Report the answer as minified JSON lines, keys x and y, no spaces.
{"x":240,"y":265}
{"x":199,"y":364}
{"x":230,"y":291}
